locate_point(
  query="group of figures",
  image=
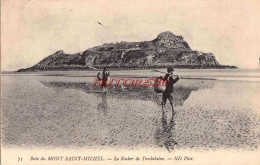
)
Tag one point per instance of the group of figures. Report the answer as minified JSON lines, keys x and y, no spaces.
{"x":166,"y":95}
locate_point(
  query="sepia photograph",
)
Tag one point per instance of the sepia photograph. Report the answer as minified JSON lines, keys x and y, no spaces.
{"x":130,"y":82}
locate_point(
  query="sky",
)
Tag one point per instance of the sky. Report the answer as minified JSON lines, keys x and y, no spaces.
{"x":34,"y":29}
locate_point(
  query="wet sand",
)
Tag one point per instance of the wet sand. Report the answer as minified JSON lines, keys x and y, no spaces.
{"x":58,"y":111}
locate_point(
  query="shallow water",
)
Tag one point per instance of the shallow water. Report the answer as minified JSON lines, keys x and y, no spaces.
{"x":218,"y":74}
{"x":60,"y":111}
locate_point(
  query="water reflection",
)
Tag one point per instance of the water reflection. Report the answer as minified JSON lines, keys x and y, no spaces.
{"x":103,"y":106}
{"x":164,"y":136}
{"x":181,"y":92}
{"x":164,"y":133}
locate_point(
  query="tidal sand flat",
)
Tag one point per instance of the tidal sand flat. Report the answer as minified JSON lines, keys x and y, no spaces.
{"x":60,"y":111}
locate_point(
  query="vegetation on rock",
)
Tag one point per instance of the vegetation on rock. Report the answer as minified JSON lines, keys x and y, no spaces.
{"x":166,"y":50}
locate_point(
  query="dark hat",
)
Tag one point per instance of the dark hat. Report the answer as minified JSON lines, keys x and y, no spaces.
{"x":170,"y":69}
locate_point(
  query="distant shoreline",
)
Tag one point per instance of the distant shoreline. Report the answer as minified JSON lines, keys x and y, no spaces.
{"x":81,"y":68}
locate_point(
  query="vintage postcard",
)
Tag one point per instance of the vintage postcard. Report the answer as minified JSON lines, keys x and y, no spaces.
{"x":130,"y":82}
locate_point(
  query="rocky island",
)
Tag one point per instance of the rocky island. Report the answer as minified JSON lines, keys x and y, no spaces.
{"x":165,"y":50}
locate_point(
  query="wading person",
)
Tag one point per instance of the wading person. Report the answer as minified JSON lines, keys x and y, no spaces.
{"x":168,"y":93}
{"x":104,"y":80}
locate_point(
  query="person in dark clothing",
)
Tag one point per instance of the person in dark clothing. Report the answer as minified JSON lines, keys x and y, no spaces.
{"x":168,"y":93}
{"x":104,"y":79}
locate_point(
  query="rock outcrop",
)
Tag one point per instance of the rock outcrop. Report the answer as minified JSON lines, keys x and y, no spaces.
{"x":166,"y":50}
